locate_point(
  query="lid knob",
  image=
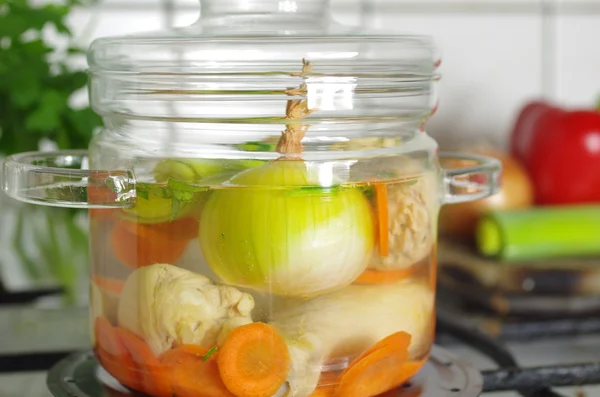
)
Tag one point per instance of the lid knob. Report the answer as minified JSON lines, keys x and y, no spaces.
{"x":221,"y":7}
{"x":233,"y":13}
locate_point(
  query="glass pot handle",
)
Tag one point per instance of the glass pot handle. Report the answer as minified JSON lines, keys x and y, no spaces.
{"x":469,"y":177}
{"x":62,"y":179}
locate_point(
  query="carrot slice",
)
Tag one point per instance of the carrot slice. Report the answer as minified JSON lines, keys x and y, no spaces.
{"x":99,"y":193}
{"x":371,"y":276}
{"x":382,"y":216}
{"x":327,"y":384}
{"x":323,"y":391}
{"x":191,"y":375}
{"x":399,"y":340}
{"x":254,"y":361}
{"x":374,"y":374}
{"x":113,"y":355}
{"x":112,"y":285}
{"x":138,"y":245}
{"x":179,"y":229}
{"x":155,"y":379}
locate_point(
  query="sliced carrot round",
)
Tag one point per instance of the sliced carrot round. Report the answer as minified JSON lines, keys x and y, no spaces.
{"x":374,"y":374}
{"x":323,"y":391}
{"x":254,"y":361}
{"x":114,"y":356}
{"x":138,"y":245}
{"x":400,"y":340}
{"x":180,"y":229}
{"x":372,"y":276}
{"x":112,"y":285}
{"x":191,"y":375}
{"x":155,"y":379}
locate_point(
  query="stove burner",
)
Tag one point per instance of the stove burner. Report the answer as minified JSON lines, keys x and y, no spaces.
{"x":444,"y":375}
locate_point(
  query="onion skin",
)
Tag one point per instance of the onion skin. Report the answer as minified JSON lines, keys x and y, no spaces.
{"x":286,"y":241}
{"x":458,"y":221}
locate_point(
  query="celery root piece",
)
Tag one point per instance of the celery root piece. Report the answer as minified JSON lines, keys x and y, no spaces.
{"x":169,"y":306}
{"x":345,"y":323}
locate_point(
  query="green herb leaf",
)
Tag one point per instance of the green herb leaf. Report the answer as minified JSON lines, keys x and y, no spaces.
{"x":182,"y":191}
{"x":209,"y":354}
{"x":313,"y":190}
{"x":369,"y":191}
{"x":142,"y":192}
{"x":175,"y":205}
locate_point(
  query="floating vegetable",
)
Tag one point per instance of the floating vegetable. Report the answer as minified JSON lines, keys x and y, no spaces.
{"x":254,"y":361}
{"x":168,"y":306}
{"x":137,"y":245}
{"x":297,"y":240}
{"x":155,"y":380}
{"x":345,"y":323}
{"x":377,"y":370}
{"x":281,"y":232}
{"x":104,"y":293}
{"x":175,"y":193}
{"x":191,"y":171}
{"x":406,"y":227}
{"x":113,"y":354}
{"x":191,"y":375}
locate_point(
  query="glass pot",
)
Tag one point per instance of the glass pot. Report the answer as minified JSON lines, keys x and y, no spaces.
{"x":263,"y":203}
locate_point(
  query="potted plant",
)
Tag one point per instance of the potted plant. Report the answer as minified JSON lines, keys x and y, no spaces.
{"x":38,"y":83}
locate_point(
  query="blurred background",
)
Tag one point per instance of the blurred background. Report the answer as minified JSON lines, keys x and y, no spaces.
{"x":495,"y":54}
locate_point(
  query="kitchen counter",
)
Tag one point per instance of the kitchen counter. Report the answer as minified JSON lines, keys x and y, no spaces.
{"x":25,"y":330}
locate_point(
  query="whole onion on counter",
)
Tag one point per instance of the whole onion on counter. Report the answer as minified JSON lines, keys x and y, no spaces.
{"x":458,"y":221}
{"x":279,"y":233}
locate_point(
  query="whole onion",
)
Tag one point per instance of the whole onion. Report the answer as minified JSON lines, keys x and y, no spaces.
{"x":459,"y":220}
{"x":279,"y":233}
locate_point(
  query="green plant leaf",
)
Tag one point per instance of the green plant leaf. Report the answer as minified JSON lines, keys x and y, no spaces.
{"x":55,"y":14}
{"x":14,"y":26}
{"x":27,"y":95}
{"x":47,"y":116}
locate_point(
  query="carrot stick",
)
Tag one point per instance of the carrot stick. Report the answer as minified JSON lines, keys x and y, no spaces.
{"x":374,"y":374}
{"x":382,"y":215}
{"x":192,"y":375}
{"x":155,"y":380}
{"x":112,"y":285}
{"x":113,"y":355}
{"x":254,"y":361}
{"x":136,"y":245}
{"x":371,"y":276}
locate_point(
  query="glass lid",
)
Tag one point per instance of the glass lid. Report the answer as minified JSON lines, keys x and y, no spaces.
{"x":262,"y":52}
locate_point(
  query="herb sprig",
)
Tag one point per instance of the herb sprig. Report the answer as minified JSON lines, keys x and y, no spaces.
{"x":210,"y":353}
{"x":179,"y":192}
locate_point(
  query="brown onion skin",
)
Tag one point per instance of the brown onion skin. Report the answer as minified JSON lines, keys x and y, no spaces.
{"x":458,"y":221}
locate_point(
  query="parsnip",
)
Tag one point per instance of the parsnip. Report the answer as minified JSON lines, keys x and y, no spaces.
{"x":345,"y":323}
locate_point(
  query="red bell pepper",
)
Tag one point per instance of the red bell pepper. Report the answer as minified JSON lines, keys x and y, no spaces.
{"x":561,"y":151}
